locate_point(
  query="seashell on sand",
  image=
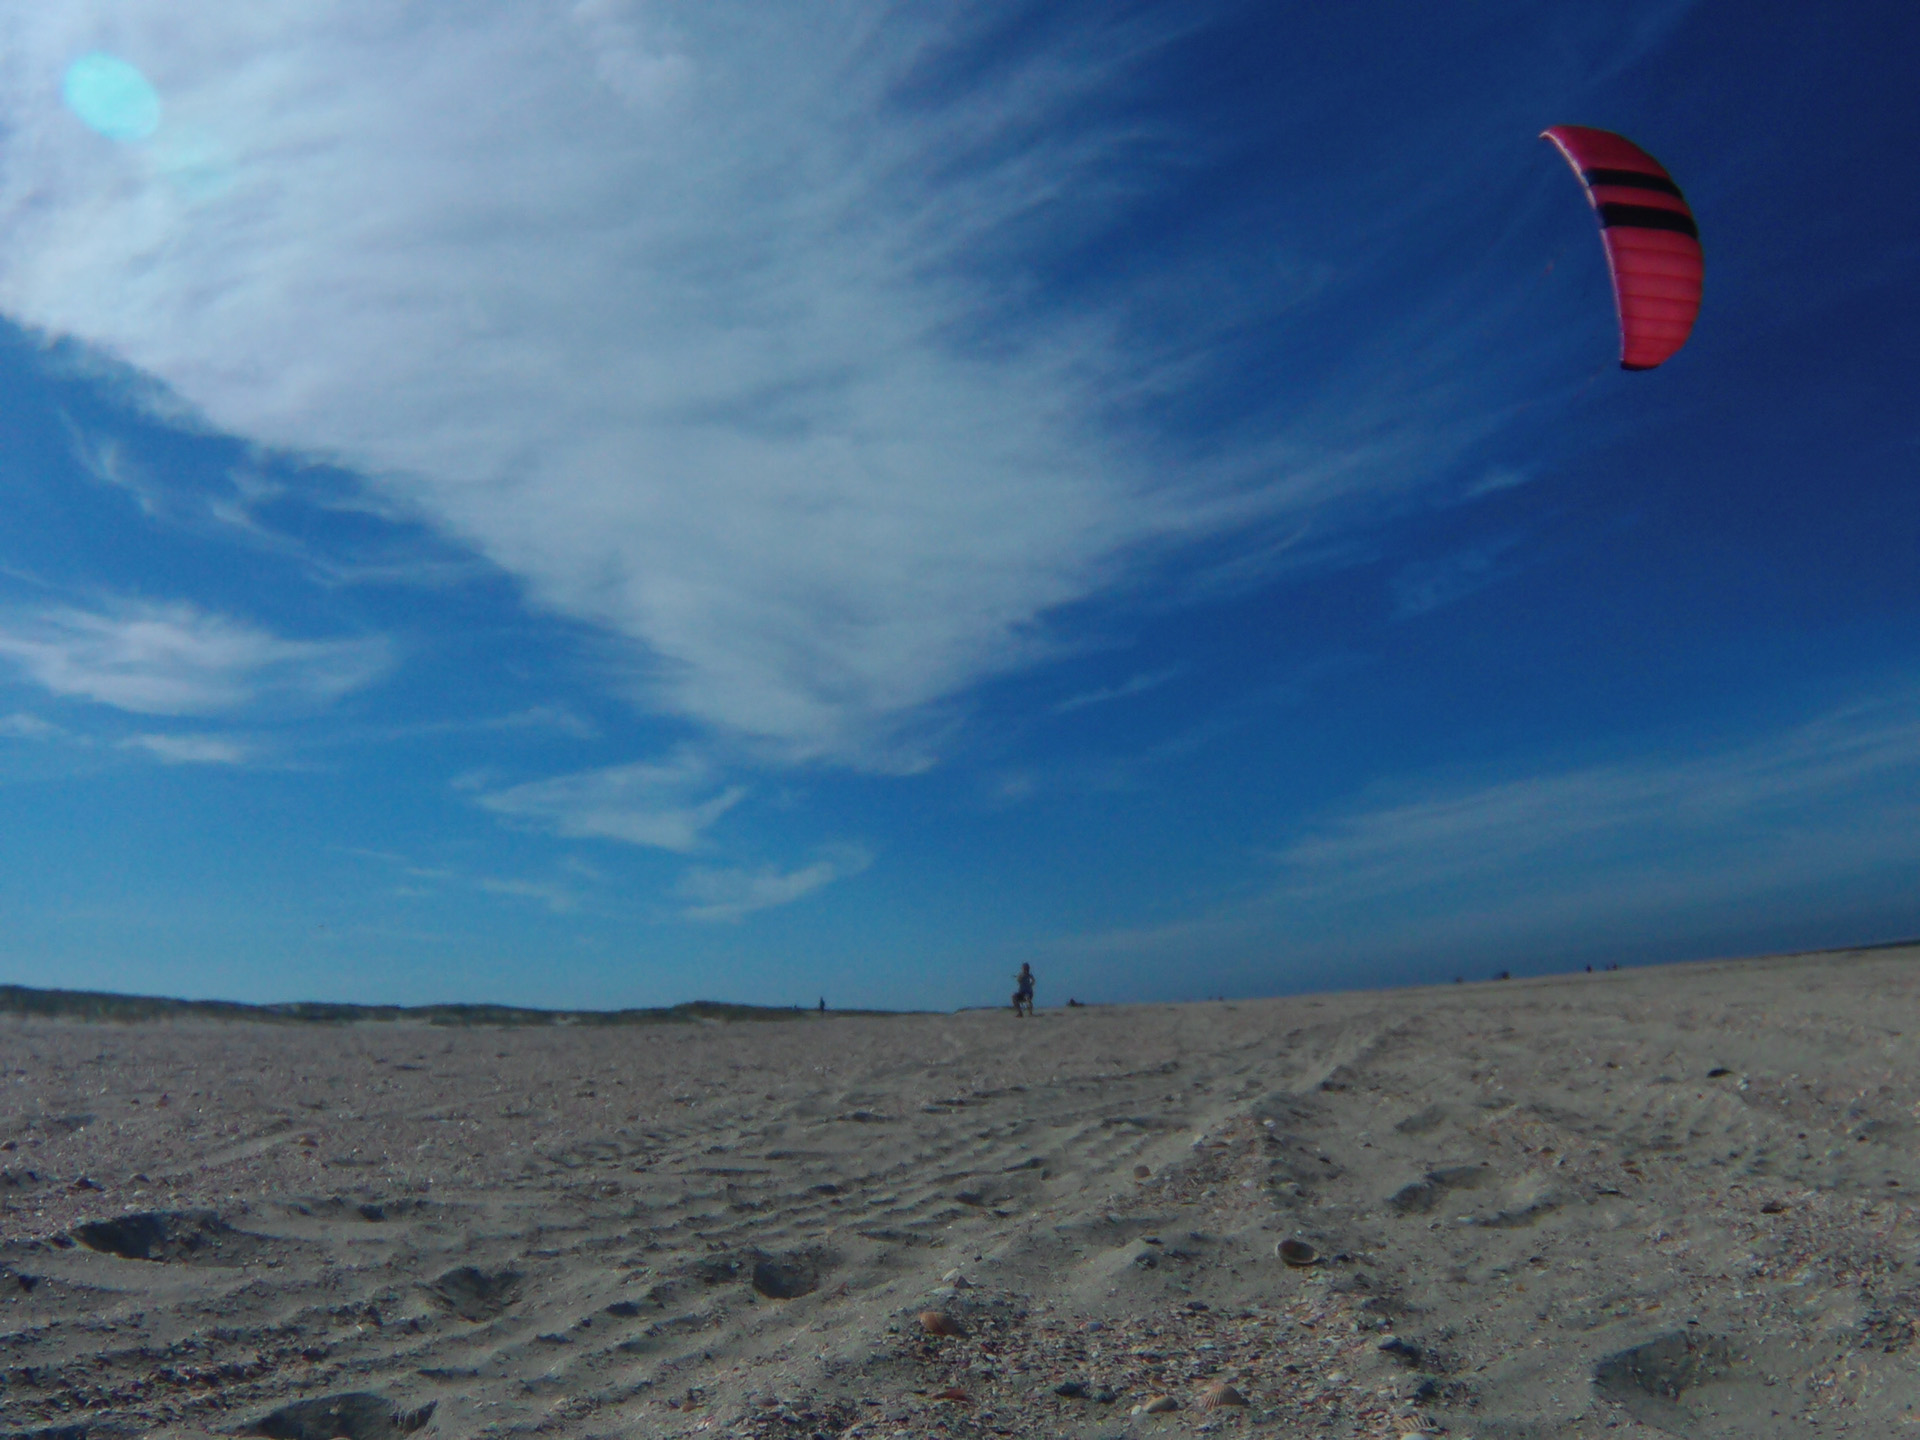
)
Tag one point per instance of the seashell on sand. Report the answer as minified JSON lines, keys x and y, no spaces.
{"x":1159,"y":1405}
{"x":953,"y":1393}
{"x":1220,"y":1393}
{"x":957,"y":1280}
{"x":1296,"y":1252}
{"x":937,"y":1322}
{"x":1141,"y":1172}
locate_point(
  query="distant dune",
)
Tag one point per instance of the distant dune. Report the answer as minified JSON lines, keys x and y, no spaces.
{"x":1650,"y":1202}
{"x":98,"y":1005}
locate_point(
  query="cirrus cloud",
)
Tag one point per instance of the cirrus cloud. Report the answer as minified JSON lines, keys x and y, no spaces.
{"x":178,"y":659}
{"x":730,"y":895}
{"x":666,"y":805}
{"x":711,"y":333}
{"x":189,"y":749}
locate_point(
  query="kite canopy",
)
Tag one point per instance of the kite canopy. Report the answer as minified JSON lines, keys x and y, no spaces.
{"x":1653,"y":246}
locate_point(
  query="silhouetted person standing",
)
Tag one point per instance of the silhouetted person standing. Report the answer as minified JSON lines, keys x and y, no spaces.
{"x":1023,"y":996}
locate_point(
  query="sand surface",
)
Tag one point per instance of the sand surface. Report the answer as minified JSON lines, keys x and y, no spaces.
{"x":1674,"y":1201}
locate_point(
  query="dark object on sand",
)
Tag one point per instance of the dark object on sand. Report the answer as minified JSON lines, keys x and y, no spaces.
{"x":359,"y":1416}
{"x":1297,"y":1253}
{"x":789,"y":1276}
{"x":475,"y":1294}
{"x":1404,"y":1351}
{"x":155,"y":1235}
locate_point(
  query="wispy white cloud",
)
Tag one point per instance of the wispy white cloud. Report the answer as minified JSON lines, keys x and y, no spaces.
{"x":558,"y":719}
{"x":107,"y":461}
{"x":1767,"y":792}
{"x":177,"y":659}
{"x":557,"y":898}
{"x":729,"y":895}
{"x":1134,"y":685}
{"x":1495,"y":480}
{"x":247,"y":507}
{"x":1426,"y":585}
{"x":1560,"y":854}
{"x":22,"y":726}
{"x":555,"y":895}
{"x":189,"y":749}
{"x":668,"y":805}
{"x":677,"y":319}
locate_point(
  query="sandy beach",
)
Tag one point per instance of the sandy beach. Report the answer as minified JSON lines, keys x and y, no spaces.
{"x":1635,"y":1203}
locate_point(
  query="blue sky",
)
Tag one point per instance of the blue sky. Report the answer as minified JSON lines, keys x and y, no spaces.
{"x":604,"y":503}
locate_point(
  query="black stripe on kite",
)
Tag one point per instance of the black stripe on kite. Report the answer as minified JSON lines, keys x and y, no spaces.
{"x":1647,"y":217}
{"x":1634,"y":179}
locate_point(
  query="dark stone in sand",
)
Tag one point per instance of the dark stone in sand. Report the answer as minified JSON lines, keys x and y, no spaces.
{"x":154,"y":1234}
{"x":714,"y":1270}
{"x":787,"y":1277}
{"x":1421,"y":1121}
{"x":1405,"y":1351}
{"x":375,"y":1211}
{"x":1424,"y":1194}
{"x":359,"y":1416}
{"x":1416,"y":1199}
{"x":475,"y":1294}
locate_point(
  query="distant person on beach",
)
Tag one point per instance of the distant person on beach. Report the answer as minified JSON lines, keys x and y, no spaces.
{"x":1023,"y":995}
{"x":823,"y":1004}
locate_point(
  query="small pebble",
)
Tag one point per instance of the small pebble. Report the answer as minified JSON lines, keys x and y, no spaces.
{"x":934,"y":1322}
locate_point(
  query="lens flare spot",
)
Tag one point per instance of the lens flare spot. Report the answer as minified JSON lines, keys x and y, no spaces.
{"x":112,"y":97}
